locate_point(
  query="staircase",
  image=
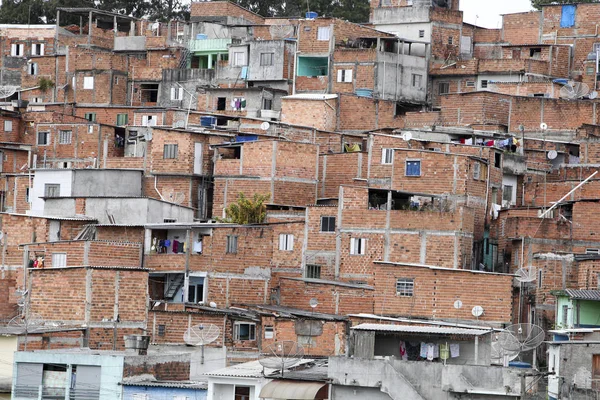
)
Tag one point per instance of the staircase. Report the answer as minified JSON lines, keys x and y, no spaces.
{"x":174,"y":286}
{"x":397,"y":386}
{"x":183,"y":59}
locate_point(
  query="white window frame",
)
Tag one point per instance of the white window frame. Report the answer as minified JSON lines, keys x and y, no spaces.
{"x":358,"y":246}
{"x":17,"y":50}
{"x":35,"y":47}
{"x":267,"y":59}
{"x":323,"y":33}
{"x":65,"y":136}
{"x":32,"y":68}
{"x":470,"y":84}
{"x":417,"y":80}
{"x":52,"y":187}
{"x":251,"y":332}
{"x":239,"y":58}
{"x":88,"y":82}
{"x":170,"y":151}
{"x":286,"y":242}
{"x":269,"y":332}
{"x":344,"y":75}
{"x":484,"y":83}
{"x":149,"y":120}
{"x":231,"y":244}
{"x":387,"y":156}
{"x":46,"y":136}
{"x":477,"y":171}
{"x":176,"y":94}
{"x":405,"y":287}
{"x":8,"y":126}
{"x":59,"y":260}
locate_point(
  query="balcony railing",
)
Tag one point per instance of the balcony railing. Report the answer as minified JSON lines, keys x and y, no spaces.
{"x":209,"y":45}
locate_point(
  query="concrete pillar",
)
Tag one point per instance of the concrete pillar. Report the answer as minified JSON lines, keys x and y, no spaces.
{"x":210,"y":59}
{"x":132,"y":28}
{"x":90,"y":28}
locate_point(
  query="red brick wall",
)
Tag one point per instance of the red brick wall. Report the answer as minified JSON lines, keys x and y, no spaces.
{"x":320,"y":114}
{"x":224,"y":9}
{"x":521,"y":28}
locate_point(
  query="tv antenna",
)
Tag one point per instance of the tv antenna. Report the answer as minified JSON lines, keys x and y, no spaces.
{"x":574,"y":90}
{"x":281,"y":355}
{"x":519,"y":338}
{"x":201,"y":335}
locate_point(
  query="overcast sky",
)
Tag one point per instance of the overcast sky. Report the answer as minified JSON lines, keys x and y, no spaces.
{"x":487,"y":12}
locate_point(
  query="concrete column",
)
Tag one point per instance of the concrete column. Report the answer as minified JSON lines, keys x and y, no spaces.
{"x":210,"y":59}
{"x":132,"y":28}
{"x":90,"y":28}
{"x":115,"y":25}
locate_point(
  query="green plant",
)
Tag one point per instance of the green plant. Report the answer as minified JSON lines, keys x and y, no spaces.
{"x":247,"y":210}
{"x":45,"y":84}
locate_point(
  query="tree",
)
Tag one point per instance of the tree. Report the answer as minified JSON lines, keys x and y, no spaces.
{"x":247,"y":210}
{"x":36,"y":11}
{"x":539,"y":3}
{"x":351,"y":10}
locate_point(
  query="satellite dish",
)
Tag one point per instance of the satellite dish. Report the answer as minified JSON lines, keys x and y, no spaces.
{"x":574,"y":90}
{"x":521,"y":337}
{"x":27,"y":321}
{"x":458,"y":304}
{"x":179,"y":124}
{"x":543,"y":126}
{"x":526,"y":274}
{"x":552,"y":154}
{"x":407,"y":136}
{"x":521,"y":127}
{"x":281,"y":355}
{"x":313,"y":303}
{"x":593,"y":95}
{"x":265,"y":126}
{"x":200,"y":335}
{"x":477,"y":311}
{"x":281,"y":31}
{"x":213,"y":304}
{"x":499,"y":356}
{"x":7,"y":91}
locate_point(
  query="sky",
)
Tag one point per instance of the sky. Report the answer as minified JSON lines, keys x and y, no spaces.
{"x":487,"y":12}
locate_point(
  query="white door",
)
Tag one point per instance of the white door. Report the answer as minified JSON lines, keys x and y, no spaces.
{"x":198,"y":158}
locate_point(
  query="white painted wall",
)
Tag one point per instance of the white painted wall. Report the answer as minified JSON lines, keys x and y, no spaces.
{"x":511,"y":180}
{"x":62,"y":177}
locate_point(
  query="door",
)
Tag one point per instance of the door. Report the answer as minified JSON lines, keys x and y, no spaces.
{"x":596,"y":372}
{"x":198,"y":158}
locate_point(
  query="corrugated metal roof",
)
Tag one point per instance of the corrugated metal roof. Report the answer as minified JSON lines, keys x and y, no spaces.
{"x":421,"y":329}
{"x":593,"y":295}
{"x":251,"y":369}
{"x":169,"y":384}
{"x":311,"y":96}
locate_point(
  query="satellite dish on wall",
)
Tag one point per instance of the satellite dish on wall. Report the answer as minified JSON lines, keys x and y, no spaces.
{"x":543,"y":126}
{"x":458,"y":304}
{"x":593,"y":95}
{"x":313,"y":303}
{"x":552,"y":154}
{"x":7,"y":91}
{"x":200,"y":335}
{"x":526,"y":274}
{"x":477,"y":311}
{"x":265,"y":126}
{"x":281,"y":355}
{"x":521,"y":337}
{"x":574,"y":90}
{"x":179,"y":124}
{"x":407,"y":136}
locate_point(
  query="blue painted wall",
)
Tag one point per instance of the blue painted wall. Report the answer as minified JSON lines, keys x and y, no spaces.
{"x":160,"y":393}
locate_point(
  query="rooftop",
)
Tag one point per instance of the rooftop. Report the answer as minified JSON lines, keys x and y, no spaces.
{"x":427,"y":330}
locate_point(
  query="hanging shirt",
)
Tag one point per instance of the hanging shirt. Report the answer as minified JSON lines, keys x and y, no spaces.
{"x":454,"y":350}
{"x":423,"y":352}
{"x":430,"y":351}
{"x":198,"y":247}
{"x":403,"y":353}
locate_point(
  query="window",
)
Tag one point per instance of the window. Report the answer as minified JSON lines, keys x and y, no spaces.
{"x":161,"y":330}
{"x":43,"y":138}
{"x":323,"y":33}
{"x":51,"y":190}
{"x":170,"y":151}
{"x":64,"y":137}
{"x":196,"y":290}
{"x":88,"y":82}
{"x":244,"y":331}
{"x":313,"y":271}
{"x":221,"y":102}
{"x":59,"y":259}
{"x":535,"y":52}
{"x":450,"y":40}
{"x":476,"y":171}
{"x":27,"y":198}
{"x":149,"y":120}
{"x":358,"y":246}
{"x":267,"y":104}
{"x":539,"y":95}
{"x":592,"y":251}
{"x":470,"y":84}
{"x":286,"y":242}
{"x":327,"y":224}
{"x":507,"y":193}
{"x":413,"y":168}
{"x":590,"y":70}
{"x":17,"y":49}
{"x":344,"y":75}
{"x":269,"y":332}
{"x":37,"y":100}
{"x":176,"y":93}
{"x":232,"y":244}
{"x":32,"y":68}
{"x":37,"y":49}
{"x":266,"y":59}
{"x":242,"y":393}
{"x":484,"y":84}
{"x":122,"y":119}
{"x":7,"y":126}
{"x":540,"y":279}
{"x":416,"y":80}
{"x":497,"y":160}
{"x":421,"y":33}
{"x":443,"y":88}
{"x":90,"y":117}
{"x":387,"y":156}
{"x":405,"y":287}
{"x":239,"y":58}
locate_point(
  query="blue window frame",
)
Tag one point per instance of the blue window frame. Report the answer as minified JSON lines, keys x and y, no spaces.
{"x":413,"y":168}
{"x":567,"y":19}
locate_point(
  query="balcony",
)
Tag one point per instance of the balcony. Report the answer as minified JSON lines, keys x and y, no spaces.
{"x":209,"y":45}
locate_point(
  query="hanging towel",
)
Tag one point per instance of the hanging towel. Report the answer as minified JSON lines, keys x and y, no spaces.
{"x":167,"y":243}
{"x":469,"y":141}
{"x":198,"y":247}
{"x":430,"y":351}
{"x":175,"y":246}
{"x":423,"y":352}
{"x":436,"y":351}
{"x":403,"y":353}
{"x":454,"y":350}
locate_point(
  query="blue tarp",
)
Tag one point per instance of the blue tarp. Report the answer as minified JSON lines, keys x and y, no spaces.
{"x":568,"y":16}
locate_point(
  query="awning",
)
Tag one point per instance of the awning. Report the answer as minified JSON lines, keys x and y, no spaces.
{"x":293,"y":390}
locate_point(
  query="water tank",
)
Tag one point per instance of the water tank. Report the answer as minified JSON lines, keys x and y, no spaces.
{"x":137,"y":342}
{"x":311,"y":15}
{"x":201,"y":36}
